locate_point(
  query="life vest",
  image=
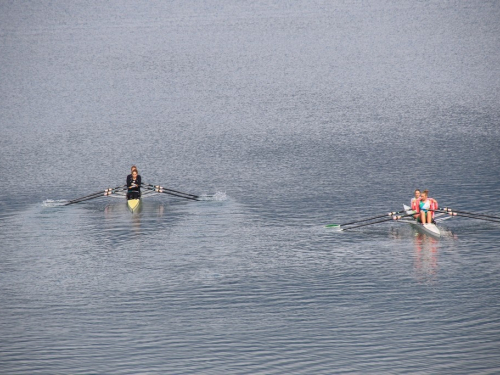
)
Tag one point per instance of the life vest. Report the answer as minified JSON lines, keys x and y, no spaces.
{"x":415,"y":204}
{"x":433,"y":206}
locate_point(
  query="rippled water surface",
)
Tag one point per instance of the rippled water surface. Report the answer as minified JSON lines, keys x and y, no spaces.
{"x":285,"y":117}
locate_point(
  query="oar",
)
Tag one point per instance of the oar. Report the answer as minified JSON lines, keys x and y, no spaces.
{"x":180,"y":192}
{"x":160,"y":189}
{"x":150,"y":186}
{"x":106,"y":192}
{"x":379,"y":221}
{"x":471,"y":216}
{"x":469,"y":213}
{"x":175,"y":191}
{"x":367,"y":219}
{"x":88,"y":197}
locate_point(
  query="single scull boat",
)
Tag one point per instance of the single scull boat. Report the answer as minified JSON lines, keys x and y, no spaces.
{"x":133,"y":205}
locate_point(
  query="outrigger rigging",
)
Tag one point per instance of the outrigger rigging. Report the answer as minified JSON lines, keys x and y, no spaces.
{"x":406,"y":216}
{"x":134,"y":204}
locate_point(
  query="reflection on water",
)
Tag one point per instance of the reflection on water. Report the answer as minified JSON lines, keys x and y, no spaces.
{"x":118,"y":216}
{"x":426,"y":258}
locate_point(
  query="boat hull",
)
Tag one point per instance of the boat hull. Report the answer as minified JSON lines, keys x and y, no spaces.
{"x":133,"y":205}
{"x":429,"y":228}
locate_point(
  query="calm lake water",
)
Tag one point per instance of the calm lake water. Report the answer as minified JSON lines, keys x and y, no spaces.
{"x":292,"y":115}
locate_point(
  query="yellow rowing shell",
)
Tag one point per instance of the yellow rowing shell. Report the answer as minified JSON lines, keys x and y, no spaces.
{"x":133,"y":205}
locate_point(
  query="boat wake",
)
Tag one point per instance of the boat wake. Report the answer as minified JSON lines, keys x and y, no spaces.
{"x":54,"y":203}
{"x":218,"y":196}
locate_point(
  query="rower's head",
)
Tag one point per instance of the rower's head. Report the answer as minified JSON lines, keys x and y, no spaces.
{"x":417,"y":193}
{"x":133,"y":168}
{"x":424,"y":195}
{"x":134,"y":173}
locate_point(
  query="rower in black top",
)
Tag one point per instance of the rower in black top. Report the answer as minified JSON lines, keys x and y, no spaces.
{"x":133,"y":185}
